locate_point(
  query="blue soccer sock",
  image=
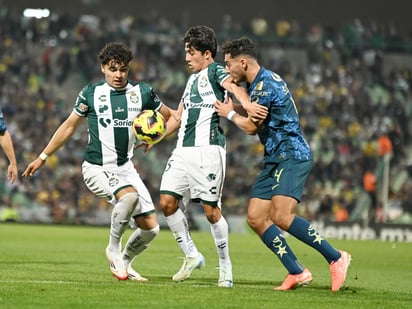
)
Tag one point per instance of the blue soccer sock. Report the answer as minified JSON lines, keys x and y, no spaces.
{"x":276,"y":242}
{"x":304,"y":231}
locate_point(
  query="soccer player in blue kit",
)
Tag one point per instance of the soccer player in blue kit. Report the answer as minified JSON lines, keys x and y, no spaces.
{"x":6,"y":143}
{"x":286,"y":165}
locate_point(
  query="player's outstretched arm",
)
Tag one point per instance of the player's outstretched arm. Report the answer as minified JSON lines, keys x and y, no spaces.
{"x":6,"y":143}
{"x":62,"y":134}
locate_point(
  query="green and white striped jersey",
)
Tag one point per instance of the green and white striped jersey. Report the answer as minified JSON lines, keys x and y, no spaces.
{"x":110,"y":114}
{"x":199,"y":122}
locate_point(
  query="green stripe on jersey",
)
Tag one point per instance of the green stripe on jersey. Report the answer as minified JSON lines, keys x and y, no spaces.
{"x":190,"y":129}
{"x":121,"y":130}
{"x":200,"y":122}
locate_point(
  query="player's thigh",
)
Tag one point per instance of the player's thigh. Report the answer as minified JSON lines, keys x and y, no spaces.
{"x":258,"y":215}
{"x":259,"y":209}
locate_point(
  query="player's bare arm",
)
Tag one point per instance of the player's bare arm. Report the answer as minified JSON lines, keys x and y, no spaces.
{"x":6,"y":144}
{"x":255,"y":111}
{"x":60,"y":137}
{"x":173,"y":122}
{"x":246,"y":124}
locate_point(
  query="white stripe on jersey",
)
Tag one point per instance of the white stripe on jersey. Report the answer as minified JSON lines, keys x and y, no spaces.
{"x":105,"y":114}
{"x":198,"y":94}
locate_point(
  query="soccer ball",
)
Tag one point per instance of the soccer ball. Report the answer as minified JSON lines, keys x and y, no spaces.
{"x":149,"y":127}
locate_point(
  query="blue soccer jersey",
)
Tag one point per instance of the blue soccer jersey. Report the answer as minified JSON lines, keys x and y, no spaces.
{"x":280,"y":133}
{"x":3,"y":126}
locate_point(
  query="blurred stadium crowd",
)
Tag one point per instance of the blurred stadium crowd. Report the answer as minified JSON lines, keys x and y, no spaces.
{"x":352,"y":87}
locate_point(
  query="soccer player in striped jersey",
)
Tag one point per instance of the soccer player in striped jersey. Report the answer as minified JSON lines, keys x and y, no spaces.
{"x":287,"y":163}
{"x":6,"y":143}
{"x":110,"y":107}
{"x":196,"y":168}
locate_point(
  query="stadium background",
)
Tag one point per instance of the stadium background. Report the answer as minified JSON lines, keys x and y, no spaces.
{"x":348,"y":63}
{"x":334,"y":13}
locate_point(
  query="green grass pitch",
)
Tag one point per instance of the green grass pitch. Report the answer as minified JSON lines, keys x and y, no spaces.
{"x":49,"y":266}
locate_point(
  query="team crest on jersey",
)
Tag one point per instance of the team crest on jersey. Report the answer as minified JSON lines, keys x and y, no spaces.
{"x":203,"y":81}
{"x":134,"y":98}
{"x":259,"y":86}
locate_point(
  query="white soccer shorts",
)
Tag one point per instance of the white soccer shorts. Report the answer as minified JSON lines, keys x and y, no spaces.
{"x":105,"y":181}
{"x":198,"y":170}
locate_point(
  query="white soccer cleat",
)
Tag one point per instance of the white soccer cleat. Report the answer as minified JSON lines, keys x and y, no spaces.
{"x":134,"y":275}
{"x":225,"y":277}
{"x":116,"y":264}
{"x":189,"y":264}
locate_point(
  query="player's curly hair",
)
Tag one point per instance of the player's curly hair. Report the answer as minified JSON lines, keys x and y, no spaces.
{"x":116,"y":51}
{"x":201,"y":38}
{"x":241,"y":46}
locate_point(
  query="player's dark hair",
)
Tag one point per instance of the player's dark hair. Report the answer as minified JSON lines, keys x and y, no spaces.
{"x":241,"y":46}
{"x":116,"y":51}
{"x":201,"y":38}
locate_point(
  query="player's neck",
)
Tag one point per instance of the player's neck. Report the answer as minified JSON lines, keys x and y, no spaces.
{"x":252,"y":72}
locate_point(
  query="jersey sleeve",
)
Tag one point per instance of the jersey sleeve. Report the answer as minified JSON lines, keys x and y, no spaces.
{"x":150,"y":99}
{"x":3,"y":126}
{"x":219,"y":73}
{"x":81,"y":106}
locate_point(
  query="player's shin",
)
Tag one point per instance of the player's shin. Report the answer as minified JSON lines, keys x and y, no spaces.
{"x":121,"y":214}
{"x":138,"y":241}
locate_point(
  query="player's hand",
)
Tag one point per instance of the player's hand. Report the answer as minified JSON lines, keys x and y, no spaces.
{"x":33,"y":167}
{"x":223,"y":108}
{"x":256,"y":112}
{"x":12,"y":173}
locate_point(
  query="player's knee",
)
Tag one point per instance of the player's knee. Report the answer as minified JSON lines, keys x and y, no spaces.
{"x":281,"y":220}
{"x":252,"y":222}
{"x":168,"y":204}
{"x":213,"y":215}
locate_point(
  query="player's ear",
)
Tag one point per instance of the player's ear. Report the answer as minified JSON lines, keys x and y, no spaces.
{"x":208,"y":54}
{"x":102,"y":68}
{"x":243,"y":63}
